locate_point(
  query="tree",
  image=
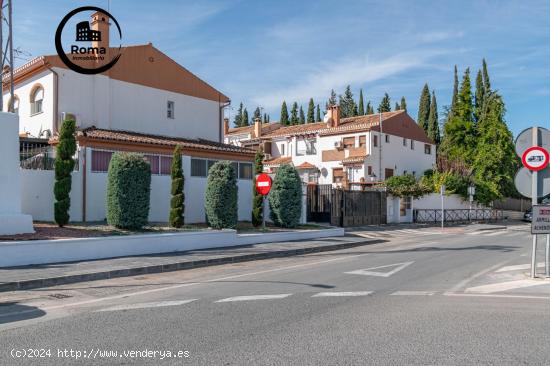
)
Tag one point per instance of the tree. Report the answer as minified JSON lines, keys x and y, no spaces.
{"x":332,"y":100}
{"x":397,"y":106}
{"x":239,"y":116}
{"x":284,"y":115}
{"x":406,"y":185}
{"x":64,"y":165}
{"x":361,"y":110}
{"x":294,"y":120}
{"x":318,"y":117}
{"x":220,"y":198}
{"x":265,"y":119}
{"x":257,"y":199}
{"x":311,"y":111}
{"x":486,"y":81}
{"x":347,"y":104}
{"x":257,"y":114}
{"x":479,"y":96}
{"x":302,"y":118}
{"x":403,"y":105}
{"x":244,"y":121}
{"x":128,"y":191}
{"x":424,"y":108}
{"x":454,"y":99}
{"x":370,"y":109}
{"x":433,"y":122}
{"x":285,"y":198}
{"x":177,"y":203}
{"x":385,"y":104}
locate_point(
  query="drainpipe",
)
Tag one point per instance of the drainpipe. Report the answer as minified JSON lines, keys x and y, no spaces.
{"x":84,"y":168}
{"x":220,"y":117}
{"x":56,"y":101}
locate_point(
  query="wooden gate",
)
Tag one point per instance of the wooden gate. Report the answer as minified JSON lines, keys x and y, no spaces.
{"x":358,"y":208}
{"x":319,"y":202}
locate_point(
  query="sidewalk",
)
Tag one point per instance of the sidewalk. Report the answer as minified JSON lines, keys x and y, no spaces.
{"x":38,"y":276}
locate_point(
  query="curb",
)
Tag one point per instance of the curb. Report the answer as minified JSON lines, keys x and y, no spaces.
{"x":170,"y":267}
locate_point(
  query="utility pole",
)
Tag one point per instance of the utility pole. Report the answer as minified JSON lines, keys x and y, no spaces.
{"x":6,"y":50}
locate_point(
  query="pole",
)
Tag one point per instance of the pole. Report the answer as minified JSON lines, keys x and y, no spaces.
{"x":263,"y":212}
{"x":10,"y":30}
{"x":1,"y":55}
{"x":442,"y":207}
{"x":548,"y":255}
{"x":534,"y":201}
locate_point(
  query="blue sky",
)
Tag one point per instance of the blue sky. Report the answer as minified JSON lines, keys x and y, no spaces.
{"x":261,"y":52}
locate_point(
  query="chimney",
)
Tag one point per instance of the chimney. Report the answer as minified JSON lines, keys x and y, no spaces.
{"x":225,"y":126}
{"x":333,"y":116}
{"x":100,"y":32}
{"x":257,"y":128}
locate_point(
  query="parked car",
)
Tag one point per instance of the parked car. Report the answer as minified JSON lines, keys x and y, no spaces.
{"x":528,"y":215}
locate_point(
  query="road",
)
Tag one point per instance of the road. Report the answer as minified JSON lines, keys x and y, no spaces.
{"x":420,"y":297}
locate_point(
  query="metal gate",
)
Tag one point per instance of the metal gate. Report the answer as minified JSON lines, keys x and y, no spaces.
{"x":319,"y":202}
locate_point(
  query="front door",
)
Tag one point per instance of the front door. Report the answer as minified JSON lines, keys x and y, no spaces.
{"x":388,"y":173}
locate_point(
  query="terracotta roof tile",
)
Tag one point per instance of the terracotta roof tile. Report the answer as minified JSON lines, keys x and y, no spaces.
{"x":266,"y":128}
{"x":306,"y":165}
{"x":278,"y":161}
{"x":354,"y":159}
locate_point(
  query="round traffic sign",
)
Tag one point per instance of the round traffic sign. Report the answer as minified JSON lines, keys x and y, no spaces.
{"x":263,"y":184}
{"x":535,"y":158}
{"x":525,"y":140}
{"x":523,"y":182}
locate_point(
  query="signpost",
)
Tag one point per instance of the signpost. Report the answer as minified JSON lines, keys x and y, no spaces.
{"x":442,"y":205}
{"x":263,"y":186}
{"x":533,"y":180}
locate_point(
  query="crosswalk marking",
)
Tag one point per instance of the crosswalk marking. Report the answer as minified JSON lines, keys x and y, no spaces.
{"x":504,"y":286}
{"x":146,"y":305}
{"x":342,"y":294}
{"x":494,"y":233}
{"x":254,"y":297}
{"x":413,"y":293}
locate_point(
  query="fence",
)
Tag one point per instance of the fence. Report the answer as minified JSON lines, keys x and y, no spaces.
{"x":513,"y":204}
{"x":457,"y":215}
{"x":37,"y":154}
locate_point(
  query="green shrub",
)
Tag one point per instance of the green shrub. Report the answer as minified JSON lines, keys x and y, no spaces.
{"x":128,"y":191}
{"x":220,"y":199}
{"x":257,"y":199}
{"x":177,"y":203}
{"x":406,"y":186}
{"x":64,"y":165}
{"x":285,"y":197}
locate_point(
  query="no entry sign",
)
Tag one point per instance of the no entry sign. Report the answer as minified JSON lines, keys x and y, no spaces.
{"x":535,"y":158}
{"x":263,"y":184}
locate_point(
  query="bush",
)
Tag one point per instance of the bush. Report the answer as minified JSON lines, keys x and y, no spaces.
{"x":177,"y":203}
{"x":257,"y":199}
{"x":64,"y":165}
{"x":220,"y":201}
{"x":285,"y":198}
{"x":128,"y":191}
{"x":406,"y":186}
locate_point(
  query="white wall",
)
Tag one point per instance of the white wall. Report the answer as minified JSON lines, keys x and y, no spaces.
{"x":433,"y":200}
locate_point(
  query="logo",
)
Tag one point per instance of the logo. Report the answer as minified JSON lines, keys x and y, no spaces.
{"x":91,"y":52}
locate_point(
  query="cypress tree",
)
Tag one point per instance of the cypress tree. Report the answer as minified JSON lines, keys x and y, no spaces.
{"x":285,"y":198}
{"x":403,"y":105}
{"x":397,"y":106}
{"x":239,"y":116}
{"x":311,"y":111}
{"x":294,"y":120}
{"x":257,"y":114}
{"x":454,"y":99}
{"x":302,"y":118}
{"x":370,"y":109}
{"x":284,"y":115}
{"x":332,"y":100}
{"x":264,"y":120}
{"x":64,"y":165}
{"x":318,"y":118}
{"x":220,"y":198}
{"x":486,"y":81}
{"x":347,"y":104}
{"x":244,"y":121}
{"x":361,"y":110}
{"x":177,"y":203}
{"x":479,"y":95}
{"x":385,"y":104}
{"x":465,"y":107}
{"x":433,"y":122}
{"x":424,"y":108}
{"x":257,"y":199}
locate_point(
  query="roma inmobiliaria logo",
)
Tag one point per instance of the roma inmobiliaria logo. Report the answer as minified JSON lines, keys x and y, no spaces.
{"x":82,"y":40}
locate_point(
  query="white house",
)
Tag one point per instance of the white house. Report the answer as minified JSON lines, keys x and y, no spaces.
{"x":364,"y":149}
{"x":146,"y":103}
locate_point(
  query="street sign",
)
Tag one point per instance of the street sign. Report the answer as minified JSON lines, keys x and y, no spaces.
{"x":541,"y":220}
{"x":535,"y":158}
{"x":263,"y":184}
{"x":525,"y":140}
{"x":523,"y":182}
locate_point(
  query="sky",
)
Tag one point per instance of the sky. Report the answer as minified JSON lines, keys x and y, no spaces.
{"x":262,"y":52}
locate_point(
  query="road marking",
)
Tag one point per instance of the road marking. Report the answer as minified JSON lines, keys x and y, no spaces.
{"x":494,"y":233}
{"x":254,"y":297}
{"x":413,"y":293}
{"x":342,"y":294}
{"x":519,"y":267}
{"x":475,"y":233}
{"x":463,"y":283}
{"x":498,"y":296}
{"x":504,"y":286}
{"x":145,"y":305}
{"x":371,"y":272}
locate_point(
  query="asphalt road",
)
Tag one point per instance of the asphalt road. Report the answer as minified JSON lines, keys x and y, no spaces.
{"x":421,"y":297}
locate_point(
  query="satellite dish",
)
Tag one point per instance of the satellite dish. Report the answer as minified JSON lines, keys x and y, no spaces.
{"x":326,"y":118}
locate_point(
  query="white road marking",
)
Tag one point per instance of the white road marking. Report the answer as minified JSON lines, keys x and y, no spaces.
{"x":254,"y":297}
{"x":494,"y":233}
{"x":464,"y":282}
{"x":475,"y":233}
{"x":371,"y":272}
{"x":413,"y":293}
{"x":342,"y":294}
{"x":518,"y":267}
{"x":505,"y":286}
{"x":498,"y":296}
{"x":145,"y":305}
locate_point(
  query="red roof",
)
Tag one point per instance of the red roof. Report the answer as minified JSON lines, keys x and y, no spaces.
{"x":306,"y":165}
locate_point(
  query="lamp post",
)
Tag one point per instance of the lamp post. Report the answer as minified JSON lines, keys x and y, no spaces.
{"x":471,"y":193}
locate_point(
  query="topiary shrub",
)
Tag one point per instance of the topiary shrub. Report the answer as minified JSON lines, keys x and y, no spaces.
{"x":220,"y":199}
{"x":257,"y":199}
{"x":285,"y":197}
{"x":64,"y":165}
{"x":128,"y":191}
{"x":177,"y":203}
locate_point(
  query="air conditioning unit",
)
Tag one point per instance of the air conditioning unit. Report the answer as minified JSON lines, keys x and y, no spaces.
{"x":339,"y":145}
{"x":267,"y":156}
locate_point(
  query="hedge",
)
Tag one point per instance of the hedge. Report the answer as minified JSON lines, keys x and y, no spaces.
{"x":64,"y":165}
{"x":220,"y":201}
{"x":285,"y":197}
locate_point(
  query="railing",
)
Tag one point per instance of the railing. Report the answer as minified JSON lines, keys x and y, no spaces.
{"x":40,"y":158}
{"x":457,"y":215}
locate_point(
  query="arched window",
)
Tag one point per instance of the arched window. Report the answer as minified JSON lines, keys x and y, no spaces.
{"x":15,"y":104}
{"x":37,"y":95}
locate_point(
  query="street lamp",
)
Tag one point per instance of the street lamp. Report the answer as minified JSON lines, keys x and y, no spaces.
{"x":471,"y":193}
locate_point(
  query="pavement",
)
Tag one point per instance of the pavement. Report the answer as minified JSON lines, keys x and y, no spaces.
{"x":411,"y":299}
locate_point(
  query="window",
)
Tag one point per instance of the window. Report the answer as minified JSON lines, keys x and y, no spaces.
{"x":427,"y":149}
{"x":15,"y":104}
{"x":387,"y":139}
{"x":198,"y":168}
{"x":170,"y":109}
{"x":404,"y":141}
{"x":245,"y":170}
{"x":165,"y":165}
{"x":282,"y":149}
{"x":209,"y":165}
{"x":160,"y":164}
{"x":404,"y":205}
{"x":306,"y":147}
{"x":349,"y":142}
{"x":362,"y":141}
{"x":337,"y":175}
{"x":369,"y":170}
{"x":101,"y":160}
{"x":37,"y":96}
{"x":375,"y":141}
{"x":412,"y":144}
{"x":388,"y":173}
